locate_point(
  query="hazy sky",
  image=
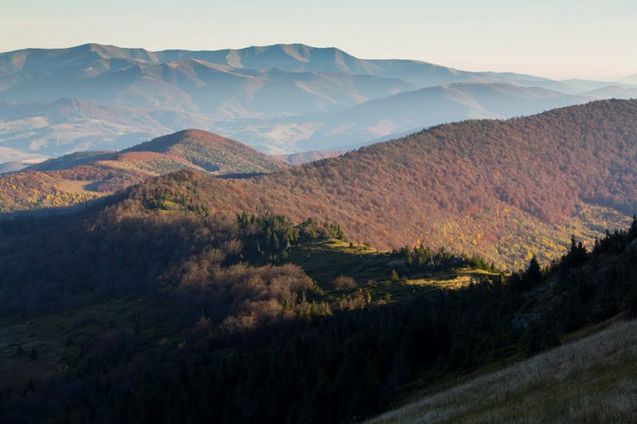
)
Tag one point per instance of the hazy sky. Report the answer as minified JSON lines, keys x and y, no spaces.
{"x":556,"y":38}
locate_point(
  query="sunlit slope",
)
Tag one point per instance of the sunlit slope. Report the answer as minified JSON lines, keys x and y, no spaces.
{"x":503,"y":189}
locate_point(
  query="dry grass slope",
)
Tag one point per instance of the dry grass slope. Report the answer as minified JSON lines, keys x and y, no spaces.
{"x":592,"y":380}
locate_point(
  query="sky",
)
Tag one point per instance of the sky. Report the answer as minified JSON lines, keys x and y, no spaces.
{"x":553,"y":38}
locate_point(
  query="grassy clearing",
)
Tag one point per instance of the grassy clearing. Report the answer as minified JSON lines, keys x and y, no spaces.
{"x":324,"y":261}
{"x":78,"y":186}
{"x":454,"y":278}
{"x":327,"y":260}
{"x":371,"y":269}
{"x":592,"y":380}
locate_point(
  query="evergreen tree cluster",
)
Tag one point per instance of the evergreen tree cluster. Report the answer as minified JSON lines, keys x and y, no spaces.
{"x":271,"y":237}
{"x":422,"y":258}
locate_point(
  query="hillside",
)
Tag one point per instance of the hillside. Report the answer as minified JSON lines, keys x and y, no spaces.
{"x":503,"y":189}
{"x":208,"y":151}
{"x":550,"y":384}
{"x":79,"y":177}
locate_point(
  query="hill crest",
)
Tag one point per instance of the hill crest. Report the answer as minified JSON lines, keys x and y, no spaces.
{"x":85,"y":175}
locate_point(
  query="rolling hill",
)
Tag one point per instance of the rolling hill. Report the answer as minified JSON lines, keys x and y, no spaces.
{"x":84,"y":176}
{"x":402,"y":113}
{"x":503,"y":189}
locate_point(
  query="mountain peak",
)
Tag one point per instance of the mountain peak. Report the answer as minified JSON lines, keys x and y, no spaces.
{"x":188,"y":136}
{"x":209,"y":151}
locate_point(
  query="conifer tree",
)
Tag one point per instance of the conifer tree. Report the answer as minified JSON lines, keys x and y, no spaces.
{"x":533,"y":274}
{"x":394,"y":276}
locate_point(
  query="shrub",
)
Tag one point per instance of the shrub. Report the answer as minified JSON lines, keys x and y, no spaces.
{"x":343,"y":282}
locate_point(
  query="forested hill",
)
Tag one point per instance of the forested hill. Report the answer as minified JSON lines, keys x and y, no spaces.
{"x":79,"y":177}
{"x":210,"y":152}
{"x":503,"y":189}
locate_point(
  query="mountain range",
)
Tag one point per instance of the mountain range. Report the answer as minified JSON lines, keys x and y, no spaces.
{"x":279,"y":99}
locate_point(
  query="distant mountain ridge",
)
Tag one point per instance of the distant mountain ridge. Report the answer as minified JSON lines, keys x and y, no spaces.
{"x":407,"y":112}
{"x":184,"y":81}
{"x":286,"y":57}
{"x":280,"y":99}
